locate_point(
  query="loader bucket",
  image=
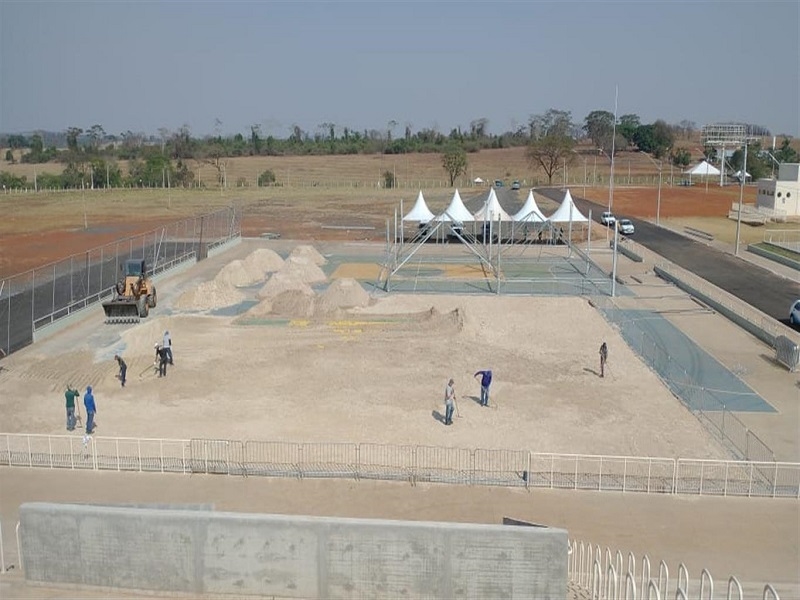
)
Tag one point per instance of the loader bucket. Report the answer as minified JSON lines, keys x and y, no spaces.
{"x":121,"y":311}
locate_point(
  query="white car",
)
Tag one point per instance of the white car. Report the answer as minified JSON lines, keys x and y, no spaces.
{"x":608,"y":219}
{"x":794,"y":314}
{"x":625,"y":227}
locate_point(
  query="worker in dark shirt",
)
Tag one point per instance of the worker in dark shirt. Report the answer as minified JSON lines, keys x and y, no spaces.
{"x":486,"y":381}
{"x":123,"y":368}
{"x":162,"y":358}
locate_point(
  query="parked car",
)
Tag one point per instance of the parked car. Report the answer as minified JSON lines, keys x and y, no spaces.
{"x":625,"y":227}
{"x":608,"y":219}
{"x":515,"y":185}
{"x":794,"y":314}
{"x":498,"y":183}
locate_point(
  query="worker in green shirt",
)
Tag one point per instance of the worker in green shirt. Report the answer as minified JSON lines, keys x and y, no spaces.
{"x":70,"y":395}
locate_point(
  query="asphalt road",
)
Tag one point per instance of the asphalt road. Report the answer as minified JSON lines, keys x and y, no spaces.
{"x":769,"y":293}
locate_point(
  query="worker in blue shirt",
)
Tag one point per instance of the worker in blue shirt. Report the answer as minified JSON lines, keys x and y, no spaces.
{"x":91,"y":409}
{"x":486,"y":381}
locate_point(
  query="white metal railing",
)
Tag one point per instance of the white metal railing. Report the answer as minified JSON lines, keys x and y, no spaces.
{"x":344,"y":460}
{"x":586,"y":571}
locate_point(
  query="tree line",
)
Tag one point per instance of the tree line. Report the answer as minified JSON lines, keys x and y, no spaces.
{"x":552,"y":139}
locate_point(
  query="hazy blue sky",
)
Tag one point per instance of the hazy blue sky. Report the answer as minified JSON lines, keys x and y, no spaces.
{"x":145,"y":65}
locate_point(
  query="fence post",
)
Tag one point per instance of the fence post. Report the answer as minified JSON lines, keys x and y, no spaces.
{"x":528,"y":471}
{"x":2,"y":554}
{"x":358,"y":462}
{"x":19,"y":548}
{"x":161,"y":454}
{"x":30,"y":455}
{"x":117,"y":446}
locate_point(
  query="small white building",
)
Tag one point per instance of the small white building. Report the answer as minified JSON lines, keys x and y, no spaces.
{"x":781,"y":194}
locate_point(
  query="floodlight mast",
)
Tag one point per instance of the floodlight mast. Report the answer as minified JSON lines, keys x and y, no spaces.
{"x":613,"y":151}
{"x":660,"y":165}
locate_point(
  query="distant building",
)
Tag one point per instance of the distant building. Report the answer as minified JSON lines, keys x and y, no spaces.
{"x":781,"y":194}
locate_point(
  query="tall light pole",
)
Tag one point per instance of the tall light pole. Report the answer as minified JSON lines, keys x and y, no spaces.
{"x":660,"y":165}
{"x":613,"y":150}
{"x":741,"y":199}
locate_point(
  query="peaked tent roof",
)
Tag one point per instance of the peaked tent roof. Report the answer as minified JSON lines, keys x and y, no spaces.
{"x":704,"y":168}
{"x":568,"y":212}
{"x":420,"y":212}
{"x":456,"y":211}
{"x":530,"y":212}
{"x":491,"y":210}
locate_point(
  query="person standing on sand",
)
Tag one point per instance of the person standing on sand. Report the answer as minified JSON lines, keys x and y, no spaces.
{"x":486,"y":381}
{"x":603,"y":359}
{"x":162,"y":359}
{"x":167,"y":343}
{"x":91,"y":409}
{"x":449,"y":401}
{"x":70,"y":396}
{"x":123,"y":368}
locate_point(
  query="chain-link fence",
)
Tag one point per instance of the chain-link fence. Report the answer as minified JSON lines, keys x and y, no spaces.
{"x":414,"y":464}
{"x":37,"y":298}
{"x":706,"y":388}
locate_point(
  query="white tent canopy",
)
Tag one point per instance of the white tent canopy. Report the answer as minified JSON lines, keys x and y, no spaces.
{"x":477,"y":180}
{"x":491,"y":210}
{"x":703,"y":169}
{"x":568,"y":212}
{"x":530,"y":213}
{"x":420,"y":212}
{"x":456,"y":211}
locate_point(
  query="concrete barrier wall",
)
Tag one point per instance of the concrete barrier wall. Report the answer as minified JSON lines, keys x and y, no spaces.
{"x":199,"y":552}
{"x":774,"y":256}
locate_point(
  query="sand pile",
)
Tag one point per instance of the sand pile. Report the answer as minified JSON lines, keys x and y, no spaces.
{"x":283,"y":281}
{"x":262,"y":308}
{"x":262,"y":261}
{"x":209,"y":295}
{"x":294,"y":303}
{"x":304,"y":269}
{"x":310,"y":253}
{"x":343,"y":293}
{"x":234,"y":274}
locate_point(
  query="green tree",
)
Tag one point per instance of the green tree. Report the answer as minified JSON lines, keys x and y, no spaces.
{"x":656,"y":138}
{"x":266,"y":178}
{"x":599,"y":126}
{"x":9,"y":181}
{"x":627,"y":126}
{"x":553,"y":122}
{"x":255,"y":139}
{"x":388,"y":180}
{"x":105,"y":173}
{"x":72,"y":138}
{"x":454,"y":161}
{"x":17,"y":141}
{"x":786,"y":154}
{"x":10,"y":156}
{"x":757,"y":166}
{"x":96,"y":134}
{"x":680,"y":157}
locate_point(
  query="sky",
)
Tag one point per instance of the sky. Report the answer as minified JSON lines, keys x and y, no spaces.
{"x":221,"y":67}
